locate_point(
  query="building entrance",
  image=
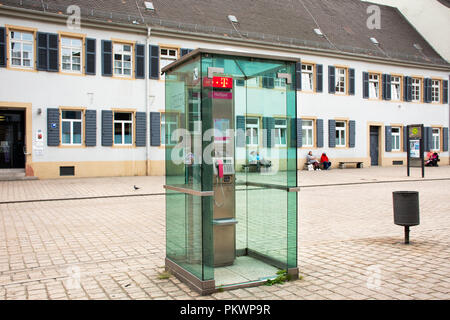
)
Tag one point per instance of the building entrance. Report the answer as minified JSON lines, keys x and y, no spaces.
{"x":12,"y":139}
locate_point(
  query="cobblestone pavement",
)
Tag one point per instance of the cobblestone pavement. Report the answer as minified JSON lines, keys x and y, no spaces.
{"x":113,"y":248}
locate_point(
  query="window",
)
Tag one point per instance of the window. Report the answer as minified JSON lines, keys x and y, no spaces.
{"x":396,"y":138}
{"x":279,"y":82}
{"x":341,"y":134}
{"x":169,"y":123}
{"x":307,"y":77}
{"x":341,"y":80}
{"x":123,"y":128}
{"x":307,"y":133}
{"x":167,"y":56}
{"x":415,"y":89}
{"x":123,"y":62}
{"x":252,"y":129}
{"x":71,"y":50}
{"x":71,"y":126}
{"x":396,"y":87}
{"x":436,"y":142}
{"x":374,"y":86}
{"x":280,"y":132}
{"x":22,"y":49}
{"x":435,"y":91}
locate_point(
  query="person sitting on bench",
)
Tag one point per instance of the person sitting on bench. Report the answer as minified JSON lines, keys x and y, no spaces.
{"x":310,"y":159}
{"x":326,"y":164}
{"x":432,"y":160}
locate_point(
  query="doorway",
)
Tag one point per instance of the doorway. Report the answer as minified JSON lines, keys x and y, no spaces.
{"x":12,"y":139}
{"x":374,"y":145}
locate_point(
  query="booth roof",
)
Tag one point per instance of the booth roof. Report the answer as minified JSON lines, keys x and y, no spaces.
{"x":343,"y":23}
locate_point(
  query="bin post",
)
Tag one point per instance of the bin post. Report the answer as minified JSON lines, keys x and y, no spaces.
{"x":406,"y":210}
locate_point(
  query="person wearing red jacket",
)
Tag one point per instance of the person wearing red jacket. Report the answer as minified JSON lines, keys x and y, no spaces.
{"x":326,"y":164}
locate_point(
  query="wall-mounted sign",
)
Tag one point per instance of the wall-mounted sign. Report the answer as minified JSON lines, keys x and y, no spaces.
{"x":223,"y":82}
{"x":39,"y":136}
{"x":53,"y":125}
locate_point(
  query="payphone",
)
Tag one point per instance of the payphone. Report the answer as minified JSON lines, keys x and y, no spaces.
{"x":224,"y":217}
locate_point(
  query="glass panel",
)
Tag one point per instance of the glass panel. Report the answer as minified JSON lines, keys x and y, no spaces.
{"x":128,"y":133}
{"x":117,"y":133}
{"x":77,"y":132}
{"x":71,"y":114}
{"x":123,"y":116}
{"x":66,"y":132}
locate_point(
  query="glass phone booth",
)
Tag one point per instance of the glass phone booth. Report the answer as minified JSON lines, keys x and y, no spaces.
{"x":231,"y":169}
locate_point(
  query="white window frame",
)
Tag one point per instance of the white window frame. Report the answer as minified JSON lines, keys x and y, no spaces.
{"x":279,"y":130}
{"x":279,"y":82}
{"x":307,"y":133}
{"x":166,"y":57}
{"x":374,"y":86}
{"x":396,"y":88}
{"x":119,"y":64}
{"x":416,"y":89}
{"x":123,"y":123}
{"x":341,"y":134}
{"x":307,"y":77}
{"x":396,"y":138}
{"x":71,"y":124}
{"x":172,"y":125}
{"x":21,"y":42}
{"x":436,"y":91}
{"x":436,"y":139}
{"x":341,"y":80}
{"x":249,"y":129}
{"x":73,"y":49}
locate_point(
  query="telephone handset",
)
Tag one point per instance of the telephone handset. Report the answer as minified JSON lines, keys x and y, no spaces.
{"x":223,"y":166}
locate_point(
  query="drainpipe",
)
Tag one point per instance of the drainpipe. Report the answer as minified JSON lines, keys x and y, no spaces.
{"x":147,"y":92}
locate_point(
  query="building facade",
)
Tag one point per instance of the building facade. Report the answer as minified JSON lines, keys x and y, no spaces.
{"x":89,"y":100}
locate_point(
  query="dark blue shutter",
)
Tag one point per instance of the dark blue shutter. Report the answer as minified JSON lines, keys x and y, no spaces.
{"x":52,"y":127}
{"x":331,"y":79}
{"x":140,"y":61}
{"x":107,"y":128}
{"x":445,"y":139}
{"x":268,"y":82}
{"x":352,"y":133}
{"x":428,"y":139}
{"x":107,"y":58}
{"x":91,"y":56}
{"x":298,"y":75}
{"x":268,"y":126}
{"x":407,"y":91}
{"x":445,"y":92}
{"x":90,"y":128}
{"x":42,"y":51}
{"x":319,"y":78}
{"x":365,"y":85}
{"x":154,"y":62}
{"x":351,"y":79}
{"x":405,"y":138}
{"x":296,"y":132}
{"x":427,"y":90}
{"x":2,"y":47}
{"x":319,"y":133}
{"x":240,"y":131}
{"x":141,"y":129}
{"x":332,"y":133}
{"x":388,"y":138}
{"x":155,"y":129}
{"x":386,"y":86}
{"x":53,"y":52}
{"x":184,"y":51}
{"x":383,"y":86}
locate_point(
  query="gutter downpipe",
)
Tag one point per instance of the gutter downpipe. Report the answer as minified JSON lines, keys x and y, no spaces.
{"x":147,"y":106}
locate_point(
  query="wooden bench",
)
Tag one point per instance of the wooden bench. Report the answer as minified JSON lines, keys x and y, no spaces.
{"x":343,"y":164}
{"x":255,"y":167}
